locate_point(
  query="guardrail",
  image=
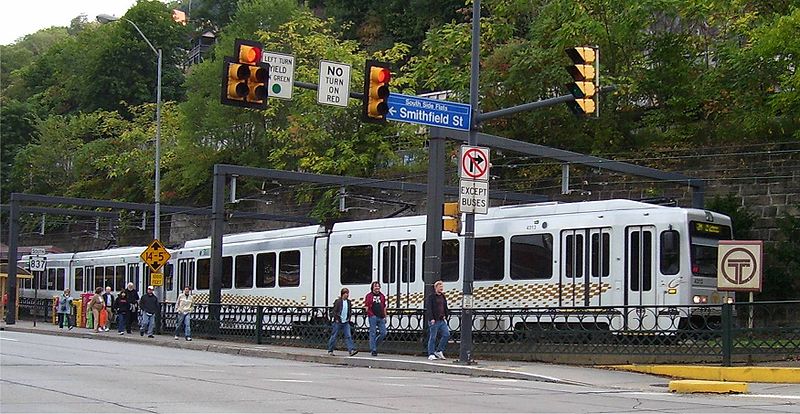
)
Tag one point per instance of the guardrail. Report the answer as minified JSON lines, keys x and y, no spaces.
{"x":741,"y":332}
{"x":725,"y":334}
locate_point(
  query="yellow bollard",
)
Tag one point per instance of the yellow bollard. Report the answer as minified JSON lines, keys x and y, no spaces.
{"x":54,"y":314}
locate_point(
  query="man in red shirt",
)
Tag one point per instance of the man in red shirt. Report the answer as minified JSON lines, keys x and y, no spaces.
{"x":375,"y":302}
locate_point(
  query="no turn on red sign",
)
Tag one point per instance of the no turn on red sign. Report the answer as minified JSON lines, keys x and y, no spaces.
{"x":474,"y":163}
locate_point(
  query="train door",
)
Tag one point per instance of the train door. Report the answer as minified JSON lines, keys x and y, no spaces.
{"x":397,"y":270}
{"x":574,"y":277}
{"x":133,"y":276}
{"x":599,"y":254}
{"x":640,"y":283}
{"x":186,"y":275}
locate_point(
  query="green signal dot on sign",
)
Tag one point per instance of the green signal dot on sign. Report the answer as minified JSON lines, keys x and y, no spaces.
{"x":276,"y":88}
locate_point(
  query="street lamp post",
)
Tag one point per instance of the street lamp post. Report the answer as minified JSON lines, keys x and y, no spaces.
{"x":106,"y":18}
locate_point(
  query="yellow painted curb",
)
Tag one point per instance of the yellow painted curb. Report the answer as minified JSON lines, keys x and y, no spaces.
{"x":717,"y":387}
{"x":699,"y":372}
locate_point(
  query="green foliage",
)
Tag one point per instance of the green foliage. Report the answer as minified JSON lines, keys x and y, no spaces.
{"x":742,"y":219}
{"x":781,"y":275}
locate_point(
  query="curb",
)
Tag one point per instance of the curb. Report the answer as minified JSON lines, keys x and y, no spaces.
{"x":716,"y":387}
{"x":355,"y":361}
{"x":708,"y":373}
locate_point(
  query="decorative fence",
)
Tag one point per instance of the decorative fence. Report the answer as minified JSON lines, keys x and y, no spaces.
{"x":741,"y":332}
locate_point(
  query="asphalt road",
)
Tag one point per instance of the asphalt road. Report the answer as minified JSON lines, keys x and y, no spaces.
{"x":43,"y":373}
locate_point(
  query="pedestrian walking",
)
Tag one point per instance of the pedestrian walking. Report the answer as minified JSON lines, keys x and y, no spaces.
{"x":108,"y":301}
{"x":375,"y":302}
{"x":183,"y":309}
{"x":95,"y":306}
{"x":122,"y":309}
{"x":436,"y":313}
{"x":149,"y":306}
{"x":64,"y":309}
{"x":133,"y":299}
{"x":342,"y":309}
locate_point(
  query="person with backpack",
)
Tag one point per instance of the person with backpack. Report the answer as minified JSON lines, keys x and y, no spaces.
{"x":375,"y":302}
{"x":342,"y":309}
{"x":149,"y":305}
{"x":122,"y":308}
{"x":64,"y":309}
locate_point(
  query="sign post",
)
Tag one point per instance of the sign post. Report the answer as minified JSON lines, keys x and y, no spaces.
{"x":36,"y":264}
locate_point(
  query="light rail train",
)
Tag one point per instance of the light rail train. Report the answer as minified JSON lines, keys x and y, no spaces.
{"x":543,"y":255}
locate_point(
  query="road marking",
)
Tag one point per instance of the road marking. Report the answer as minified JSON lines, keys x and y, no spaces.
{"x":9,"y":339}
{"x":288,"y":380}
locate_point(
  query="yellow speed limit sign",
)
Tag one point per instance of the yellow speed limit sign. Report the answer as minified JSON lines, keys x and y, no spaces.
{"x":157,"y":279}
{"x":155,"y":255}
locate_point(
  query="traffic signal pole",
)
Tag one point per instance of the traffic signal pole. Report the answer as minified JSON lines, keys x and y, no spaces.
{"x":465,"y":349}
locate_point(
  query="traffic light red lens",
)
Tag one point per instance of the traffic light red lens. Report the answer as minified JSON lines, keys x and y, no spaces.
{"x":249,"y":54}
{"x":384,"y":75}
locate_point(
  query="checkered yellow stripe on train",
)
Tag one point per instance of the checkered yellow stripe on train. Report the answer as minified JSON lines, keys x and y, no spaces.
{"x":229,"y":299}
{"x":512,"y":296}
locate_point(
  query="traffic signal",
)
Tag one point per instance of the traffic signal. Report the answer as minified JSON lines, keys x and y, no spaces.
{"x":376,"y":91}
{"x":452,"y":218}
{"x":584,"y":72}
{"x":245,"y":76}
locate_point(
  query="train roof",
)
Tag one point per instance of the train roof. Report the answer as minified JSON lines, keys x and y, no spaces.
{"x":518,"y":210}
{"x":258,"y":236}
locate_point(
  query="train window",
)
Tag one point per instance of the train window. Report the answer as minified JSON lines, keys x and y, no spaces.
{"x":408,"y":268}
{"x":168,"y":274}
{"x":356,"y":262}
{"x":109,"y":279}
{"x":641,"y":258}
{"x":532,"y":256}
{"x":265,"y":270}
{"x":90,"y":282}
{"x":601,"y":254}
{"x":450,"y":256}
{"x":389,"y":255}
{"x":489,"y":258}
{"x":574,"y":256}
{"x":60,"y":278}
{"x":133,"y":274}
{"x":119,"y":278}
{"x":670,"y":258}
{"x":203,"y":273}
{"x":51,"y":279}
{"x":244,"y":271}
{"x":227,"y":272}
{"x":289,"y":268}
{"x":79,"y":280}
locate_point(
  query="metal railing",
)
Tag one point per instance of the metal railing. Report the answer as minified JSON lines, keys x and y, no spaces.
{"x":726,"y":334}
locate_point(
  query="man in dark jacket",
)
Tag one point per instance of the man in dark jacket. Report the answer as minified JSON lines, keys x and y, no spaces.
{"x":342,"y":309}
{"x":375,"y":303}
{"x":436,"y":313}
{"x":149,"y":305}
{"x":133,"y":299}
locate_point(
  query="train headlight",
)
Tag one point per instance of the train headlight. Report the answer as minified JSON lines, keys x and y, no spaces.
{"x":729,"y":300}
{"x":672,"y":291}
{"x":699,"y":299}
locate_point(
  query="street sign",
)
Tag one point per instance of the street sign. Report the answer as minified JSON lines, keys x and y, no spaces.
{"x":473,"y":196}
{"x":431,"y":112}
{"x":334,"y":83}
{"x":740,"y":265}
{"x":474,"y":163}
{"x":157,"y":279}
{"x":37,"y":264}
{"x":155,"y":255}
{"x":281,"y":74}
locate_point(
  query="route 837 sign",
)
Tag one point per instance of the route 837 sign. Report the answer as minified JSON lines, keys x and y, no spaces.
{"x":37,"y":264}
{"x":740,"y":265}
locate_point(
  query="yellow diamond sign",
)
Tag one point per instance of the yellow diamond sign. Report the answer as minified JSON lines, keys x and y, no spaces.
{"x":155,"y":255}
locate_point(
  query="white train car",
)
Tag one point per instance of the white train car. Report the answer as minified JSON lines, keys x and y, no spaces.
{"x":585,"y":254}
{"x":82,"y":272}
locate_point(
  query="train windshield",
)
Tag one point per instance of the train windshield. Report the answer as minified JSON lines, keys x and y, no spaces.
{"x":705,"y":238}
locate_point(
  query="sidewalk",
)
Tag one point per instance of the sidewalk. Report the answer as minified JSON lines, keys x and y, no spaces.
{"x":616,"y":377}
